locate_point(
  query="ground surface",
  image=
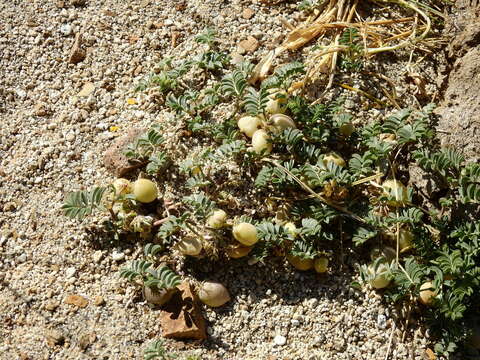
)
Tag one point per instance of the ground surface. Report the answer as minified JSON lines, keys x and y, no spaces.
{"x":52,"y":141}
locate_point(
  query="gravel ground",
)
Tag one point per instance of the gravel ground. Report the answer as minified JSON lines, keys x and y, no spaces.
{"x":52,"y":137}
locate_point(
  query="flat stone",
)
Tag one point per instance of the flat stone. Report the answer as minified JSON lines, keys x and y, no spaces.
{"x":52,"y":305}
{"x":54,"y":337}
{"x":40,"y":110}
{"x":250,"y":44}
{"x":99,"y":300}
{"x":76,"y":300}
{"x":247,"y":13}
{"x":87,"y":89}
{"x":70,"y":272}
{"x":77,"y":54}
{"x":181,"y":317}
{"x":114,"y":158}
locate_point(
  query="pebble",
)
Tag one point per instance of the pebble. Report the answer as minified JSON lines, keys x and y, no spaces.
{"x":70,"y":272}
{"x":66,"y":29}
{"x":97,"y":256}
{"x":280,"y":340}
{"x":117,"y":256}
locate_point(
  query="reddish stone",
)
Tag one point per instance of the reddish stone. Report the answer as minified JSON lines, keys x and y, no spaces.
{"x":114,"y":158}
{"x":181,"y":318}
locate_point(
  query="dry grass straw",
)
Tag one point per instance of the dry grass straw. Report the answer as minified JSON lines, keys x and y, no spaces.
{"x":325,"y":27}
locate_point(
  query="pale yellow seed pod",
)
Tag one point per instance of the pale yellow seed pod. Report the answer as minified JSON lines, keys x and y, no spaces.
{"x":380,"y":280}
{"x":281,"y":122}
{"x":276,"y":102}
{"x":321,"y":265}
{"x":291,"y":229}
{"x":122,"y":186}
{"x":426,"y":295}
{"x":398,"y":190}
{"x":189,"y":246}
{"x":213,"y":294}
{"x":300,"y":263}
{"x":217,"y":219}
{"x":260,"y":142}
{"x":245,"y":233}
{"x":145,"y":190}
{"x":249,"y":124}
{"x":335,"y":158}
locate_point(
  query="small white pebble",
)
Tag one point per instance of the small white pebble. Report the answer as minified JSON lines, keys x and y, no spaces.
{"x":280,"y":340}
{"x":117,"y":256}
{"x":70,"y":272}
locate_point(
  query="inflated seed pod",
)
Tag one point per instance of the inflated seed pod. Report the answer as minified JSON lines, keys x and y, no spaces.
{"x":426,"y":294}
{"x":156,"y":296}
{"x":277,"y":101}
{"x":213,"y":294}
{"x":405,"y":238}
{"x":238,"y":251}
{"x":380,"y":279}
{"x":300,"y":263}
{"x":335,"y":158}
{"x":346,"y":129}
{"x":217,"y":219}
{"x":122,"y":186}
{"x":396,"y":189}
{"x":245,"y":234}
{"x":281,"y":122}
{"x":189,"y":246}
{"x":321,"y":265}
{"x":260,"y":142}
{"x":249,"y":124}
{"x":145,"y":190}
{"x":291,"y":229}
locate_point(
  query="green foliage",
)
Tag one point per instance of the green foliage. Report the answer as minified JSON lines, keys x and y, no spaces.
{"x":208,"y":37}
{"x":332,"y":204}
{"x":156,"y":350}
{"x":82,"y":203}
{"x":255,"y":101}
{"x":161,"y":277}
{"x":234,"y":84}
{"x":284,"y":75}
{"x":212,"y":60}
{"x":200,"y":204}
{"x":349,"y":60}
{"x":138,"y":268}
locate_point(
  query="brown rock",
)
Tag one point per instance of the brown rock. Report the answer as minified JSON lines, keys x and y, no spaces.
{"x":249,"y":45}
{"x":114,"y":158}
{"x":86,"y":339}
{"x":40,"y":110}
{"x":77,"y":54}
{"x":60,"y":4}
{"x":99,"y":301}
{"x":76,"y":300}
{"x":54,"y":337}
{"x":108,"y":12}
{"x":181,"y":317}
{"x":52,"y":305}
{"x":247,"y":13}
{"x":78,"y":3}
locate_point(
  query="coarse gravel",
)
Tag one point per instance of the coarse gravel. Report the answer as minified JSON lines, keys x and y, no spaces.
{"x":51,"y":142}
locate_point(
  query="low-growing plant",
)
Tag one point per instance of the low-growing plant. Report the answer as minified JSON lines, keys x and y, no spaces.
{"x":323,"y":180}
